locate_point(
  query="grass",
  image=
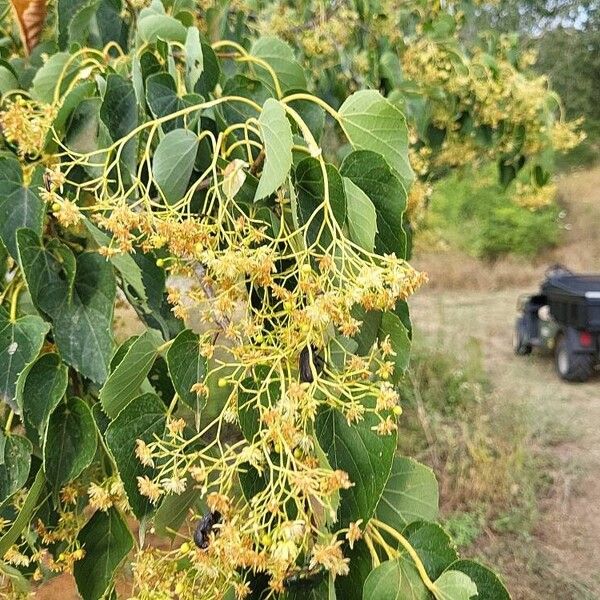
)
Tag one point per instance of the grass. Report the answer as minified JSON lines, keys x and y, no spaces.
{"x":472,"y":212}
{"x":478,"y":447}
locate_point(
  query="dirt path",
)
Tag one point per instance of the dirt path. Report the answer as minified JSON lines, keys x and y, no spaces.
{"x":459,"y":305}
{"x":568,"y":533}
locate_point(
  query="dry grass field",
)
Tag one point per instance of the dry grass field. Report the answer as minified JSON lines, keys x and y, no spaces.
{"x":469,"y":300}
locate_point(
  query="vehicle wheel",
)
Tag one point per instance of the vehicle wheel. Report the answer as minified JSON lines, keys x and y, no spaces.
{"x":572,"y":366}
{"x":519,"y":345}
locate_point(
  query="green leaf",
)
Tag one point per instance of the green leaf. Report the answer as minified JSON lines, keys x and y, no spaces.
{"x":70,"y":102}
{"x":370,"y":172}
{"x":391,"y":69}
{"x":151,"y":27}
{"x":119,"y":112}
{"x":124,"y":382}
{"x":85,"y":132}
{"x":392,"y":326}
{"x":187,"y":367}
{"x":194,"y":59}
{"x":276,"y":133}
{"x":20,"y":205}
{"x":395,"y":580}
{"x":371,"y":322}
{"x":211,"y":71}
{"x":162,"y":98}
{"x":107,"y":542}
{"x":20,"y":342}
{"x":70,"y":442}
{"x":143,"y":418}
{"x":59,"y":68}
{"x":362,"y":217}
{"x":83,"y":21}
{"x":15,"y":465}
{"x":454,"y":585}
{"x":410,"y":494}
{"x":370,"y":122}
{"x":311,"y":193}
{"x":173,"y":163}
{"x":280,"y":57}
{"x":174,"y":509}
{"x":350,"y":587}
{"x":312,"y":114}
{"x":82,"y":318}
{"x":112,"y":26}
{"x":433,"y":545}
{"x":240,"y":85}
{"x":8,"y":81}
{"x":18,"y":581}
{"x":24,"y":517}
{"x":123,"y":263}
{"x":363,"y":454}
{"x":20,"y":584}
{"x":489,"y":585}
{"x":40,"y":388}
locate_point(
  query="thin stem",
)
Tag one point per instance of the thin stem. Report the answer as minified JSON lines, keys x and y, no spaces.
{"x":372,"y":551}
{"x":411,"y":552}
{"x":300,"y":96}
{"x":9,"y":421}
{"x":14,"y":302}
{"x":165,"y":346}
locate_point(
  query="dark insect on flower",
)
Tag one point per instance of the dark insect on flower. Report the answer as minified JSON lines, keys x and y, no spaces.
{"x":204,"y":527}
{"x":309,"y":360}
{"x":305,"y":578}
{"x":47,"y":182}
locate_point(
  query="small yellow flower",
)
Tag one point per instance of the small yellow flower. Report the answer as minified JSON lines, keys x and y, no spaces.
{"x":354,"y":533}
{"x":149,"y":488}
{"x":144,"y":454}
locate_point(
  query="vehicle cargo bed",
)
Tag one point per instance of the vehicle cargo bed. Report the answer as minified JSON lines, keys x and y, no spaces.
{"x":574,"y":300}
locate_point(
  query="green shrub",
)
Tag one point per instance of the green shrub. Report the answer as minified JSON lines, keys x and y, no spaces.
{"x":471,"y":211}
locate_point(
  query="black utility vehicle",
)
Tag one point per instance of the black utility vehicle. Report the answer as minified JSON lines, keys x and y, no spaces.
{"x":565,"y":317}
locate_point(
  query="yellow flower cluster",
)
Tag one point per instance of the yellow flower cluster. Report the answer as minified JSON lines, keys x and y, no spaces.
{"x":321,"y":35}
{"x":533,"y":196}
{"x":26,"y":124}
{"x":277,"y":306}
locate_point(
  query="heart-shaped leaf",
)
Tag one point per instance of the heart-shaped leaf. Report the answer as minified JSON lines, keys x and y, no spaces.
{"x":410,"y":494}
{"x":187,"y":367}
{"x":363,"y":454}
{"x":143,"y":418}
{"x":370,"y":172}
{"x":78,"y":295}
{"x":276,"y":133}
{"x":395,"y":580}
{"x":107,"y":542}
{"x":70,"y":442}
{"x":20,"y":342}
{"x":124,"y":381}
{"x":373,"y":123}
{"x":15,"y":465}
{"x":173,"y":163}
{"x":40,"y":388}
{"x":20,"y":205}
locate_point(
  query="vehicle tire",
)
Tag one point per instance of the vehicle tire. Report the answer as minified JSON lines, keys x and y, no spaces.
{"x":520,"y":346}
{"x":572,"y":366}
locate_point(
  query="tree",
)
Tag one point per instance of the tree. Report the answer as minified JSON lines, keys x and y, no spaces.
{"x":135,"y":152}
{"x":467,"y":99}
